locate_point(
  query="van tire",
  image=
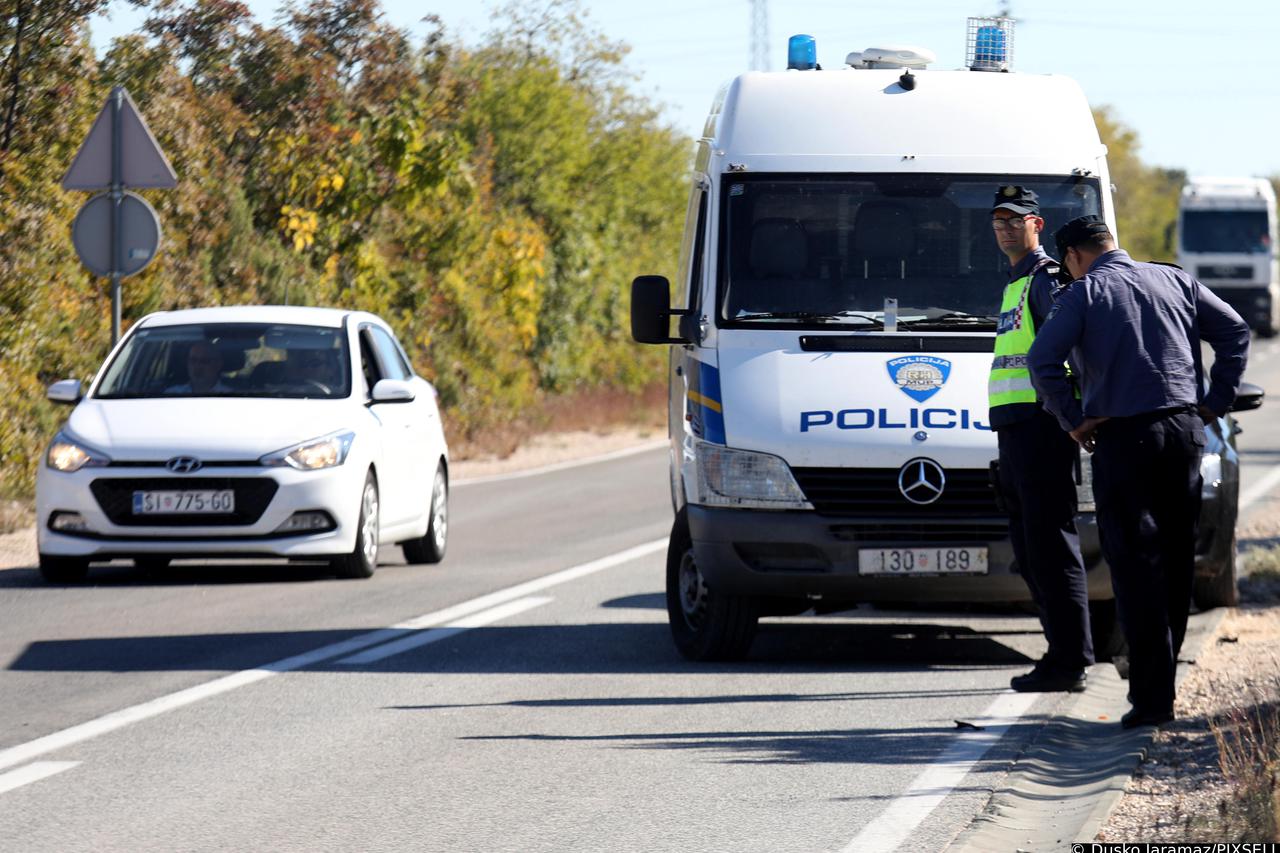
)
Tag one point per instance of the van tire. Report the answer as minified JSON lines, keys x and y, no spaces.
{"x":706,"y":625}
{"x":1218,"y":589}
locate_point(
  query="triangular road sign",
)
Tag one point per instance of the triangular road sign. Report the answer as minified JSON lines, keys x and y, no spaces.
{"x":142,"y":163}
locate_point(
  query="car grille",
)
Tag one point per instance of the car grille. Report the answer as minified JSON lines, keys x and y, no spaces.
{"x":1213,"y":271}
{"x":115,"y":496}
{"x":893,"y":531}
{"x":873,"y":493}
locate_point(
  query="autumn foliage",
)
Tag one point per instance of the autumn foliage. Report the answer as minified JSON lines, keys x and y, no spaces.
{"x":492,"y":202}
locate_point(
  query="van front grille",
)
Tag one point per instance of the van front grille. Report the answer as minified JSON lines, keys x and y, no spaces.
{"x":874,"y":493}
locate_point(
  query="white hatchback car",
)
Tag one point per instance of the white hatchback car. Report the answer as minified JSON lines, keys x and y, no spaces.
{"x":246,"y":432}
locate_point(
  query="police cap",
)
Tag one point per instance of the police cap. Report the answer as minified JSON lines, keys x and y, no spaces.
{"x":1018,"y":199}
{"x":1079,"y":230}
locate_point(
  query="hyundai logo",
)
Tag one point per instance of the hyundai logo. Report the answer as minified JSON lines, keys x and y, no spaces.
{"x":921,"y":481}
{"x":184,"y":464}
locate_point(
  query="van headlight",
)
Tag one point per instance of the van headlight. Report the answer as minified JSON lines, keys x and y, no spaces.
{"x":741,"y":478}
{"x":68,"y":455}
{"x":1084,"y":491}
{"x":328,"y":451}
{"x":1210,"y":475}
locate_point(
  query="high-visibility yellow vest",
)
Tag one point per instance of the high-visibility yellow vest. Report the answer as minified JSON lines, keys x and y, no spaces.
{"x":1010,"y":381}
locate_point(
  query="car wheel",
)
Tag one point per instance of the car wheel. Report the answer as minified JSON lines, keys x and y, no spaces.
{"x":431,"y":547}
{"x":1104,"y":627}
{"x":706,"y":625}
{"x":363,"y":559}
{"x":1266,"y":331}
{"x":1218,"y":589}
{"x":63,"y":569}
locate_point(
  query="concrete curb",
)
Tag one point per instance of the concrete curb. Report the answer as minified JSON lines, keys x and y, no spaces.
{"x":1066,"y":783}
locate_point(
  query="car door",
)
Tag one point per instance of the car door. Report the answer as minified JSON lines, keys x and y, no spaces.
{"x":406,"y":439}
{"x":395,"y":422}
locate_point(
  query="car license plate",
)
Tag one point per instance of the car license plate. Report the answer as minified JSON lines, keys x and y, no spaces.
{"x":186,"y":502}
{"x":922,"y":561}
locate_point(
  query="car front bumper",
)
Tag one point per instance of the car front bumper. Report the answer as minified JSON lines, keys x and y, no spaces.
{"x":112,"y":531}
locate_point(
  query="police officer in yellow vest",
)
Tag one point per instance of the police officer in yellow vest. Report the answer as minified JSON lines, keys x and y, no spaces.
{"x":1037,"y":459}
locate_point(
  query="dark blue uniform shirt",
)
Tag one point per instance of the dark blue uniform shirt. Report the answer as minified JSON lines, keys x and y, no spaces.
{"x":1040,"y":300}
{"x":1134,"y":331}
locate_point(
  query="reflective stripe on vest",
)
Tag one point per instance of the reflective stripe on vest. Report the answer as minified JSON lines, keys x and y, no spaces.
{"x":1010,"y":381}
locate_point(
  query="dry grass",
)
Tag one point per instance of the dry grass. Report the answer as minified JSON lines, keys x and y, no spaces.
{"x":599,"y":410}
{"x":1260,"y":575}
{"x":1248,"y":739}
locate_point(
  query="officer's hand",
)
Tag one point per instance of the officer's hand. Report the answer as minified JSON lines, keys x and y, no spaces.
{"x":1084,"y":434}
{"x":1208,"y":415}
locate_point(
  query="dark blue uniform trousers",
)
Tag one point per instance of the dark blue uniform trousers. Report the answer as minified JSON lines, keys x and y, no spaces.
{"x":1146,"y":480}
{"x":1037,"y":480}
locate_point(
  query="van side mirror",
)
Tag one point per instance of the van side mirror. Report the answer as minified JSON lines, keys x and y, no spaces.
{"x":1249,"y":397}
{"x":651,"y":311}
{"x":65,"y":391}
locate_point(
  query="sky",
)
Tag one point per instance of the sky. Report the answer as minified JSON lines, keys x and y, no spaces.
{"x":1202,"y":89}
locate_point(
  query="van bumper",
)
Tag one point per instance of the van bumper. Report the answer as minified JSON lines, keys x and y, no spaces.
{"x":754,"y":552}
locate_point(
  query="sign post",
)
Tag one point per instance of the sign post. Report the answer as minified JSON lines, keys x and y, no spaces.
{"x":116,"y":233}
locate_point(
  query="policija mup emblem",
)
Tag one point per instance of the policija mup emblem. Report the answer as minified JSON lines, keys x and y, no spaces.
{"x":919,"y":376}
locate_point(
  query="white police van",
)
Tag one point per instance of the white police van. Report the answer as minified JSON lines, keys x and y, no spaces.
{"x":837,"y":298}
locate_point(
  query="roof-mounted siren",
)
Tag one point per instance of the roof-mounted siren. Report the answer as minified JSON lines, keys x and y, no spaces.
{"x":989,"y":45}
{"x":802,"y":53}
{"x":891,"y":56}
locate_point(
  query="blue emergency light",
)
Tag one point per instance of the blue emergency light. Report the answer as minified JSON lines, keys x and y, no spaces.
{"x":989,"y":47}
{"x":802,"y":53}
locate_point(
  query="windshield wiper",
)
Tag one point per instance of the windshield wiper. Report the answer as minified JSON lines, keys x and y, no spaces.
{"x":812,"y":315}
{"x":953,"y":318}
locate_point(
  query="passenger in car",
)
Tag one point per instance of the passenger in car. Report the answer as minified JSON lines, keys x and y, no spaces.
{"x":310,"y":367}
{"x":204,"y":372}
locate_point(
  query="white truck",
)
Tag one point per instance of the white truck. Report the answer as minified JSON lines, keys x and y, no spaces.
{"x":1227,"y":239}
{"x":837,"y":298}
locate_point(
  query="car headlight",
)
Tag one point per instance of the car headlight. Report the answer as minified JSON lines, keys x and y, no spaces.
{"x":742,"y":478}
{"x":1084,"y":490}
{"x":66,"y":454}
{"x":1210,"y":474}
{"x":328,"y":451}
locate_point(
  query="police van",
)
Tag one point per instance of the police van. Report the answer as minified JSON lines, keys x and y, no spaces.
{"x":837,"y":303}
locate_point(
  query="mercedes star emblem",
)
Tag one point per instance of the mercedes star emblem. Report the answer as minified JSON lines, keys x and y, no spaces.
{"x":921,"y":481}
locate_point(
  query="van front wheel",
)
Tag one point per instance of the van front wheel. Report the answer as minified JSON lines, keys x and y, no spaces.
{"x":706,"y":625}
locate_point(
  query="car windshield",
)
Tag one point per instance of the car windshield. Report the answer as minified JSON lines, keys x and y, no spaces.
{"x":821,"y":250}
{"x":231,"y":360}
{"x":1243,"y":231}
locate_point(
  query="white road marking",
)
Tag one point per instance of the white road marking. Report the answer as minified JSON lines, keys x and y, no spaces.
{"x":1260,"y":489}
{"x":892,"y":826}
{"x":561,"y":466}
{"x":25,"y":752}
{"x":32,"y":773}
{"x":433,"y":635}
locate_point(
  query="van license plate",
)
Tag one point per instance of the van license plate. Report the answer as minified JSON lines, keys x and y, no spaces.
{"x":201,"y":502}
{"x":922,"y":561}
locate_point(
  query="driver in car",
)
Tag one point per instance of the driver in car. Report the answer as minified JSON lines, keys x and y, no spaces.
{"x":309,"y":368}
{"x":204,"y":372}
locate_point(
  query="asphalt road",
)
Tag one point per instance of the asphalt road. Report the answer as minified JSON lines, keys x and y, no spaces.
{"x":524,"y":695}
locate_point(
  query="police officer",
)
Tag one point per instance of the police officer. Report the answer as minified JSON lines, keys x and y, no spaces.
{"x":1037,"y":459}
{"x":1134,"y":329}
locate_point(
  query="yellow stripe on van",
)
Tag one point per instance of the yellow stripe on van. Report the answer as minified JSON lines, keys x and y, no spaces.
{"x":704,"y":401}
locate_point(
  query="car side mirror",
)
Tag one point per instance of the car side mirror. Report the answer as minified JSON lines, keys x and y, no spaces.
{"x":1249,"y":397}
{"x":65,"y":391}
{"x":651,"y":311}
{"x":392,"y":391}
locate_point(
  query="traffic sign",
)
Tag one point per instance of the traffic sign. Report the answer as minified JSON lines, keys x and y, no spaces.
{"x":139,"y":234}
{"x":142,"y":163}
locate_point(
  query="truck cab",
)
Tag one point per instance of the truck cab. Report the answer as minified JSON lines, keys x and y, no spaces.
{"x":1227,"y":239}
{"x":837,"y":298}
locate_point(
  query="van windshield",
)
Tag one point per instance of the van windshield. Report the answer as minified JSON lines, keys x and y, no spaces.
{"x":1243,"y":231}
{"x":814,"y":251}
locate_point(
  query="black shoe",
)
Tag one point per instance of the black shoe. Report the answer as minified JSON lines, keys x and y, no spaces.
{"x":1048,"y":681}
{"x":1136,"y":718}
